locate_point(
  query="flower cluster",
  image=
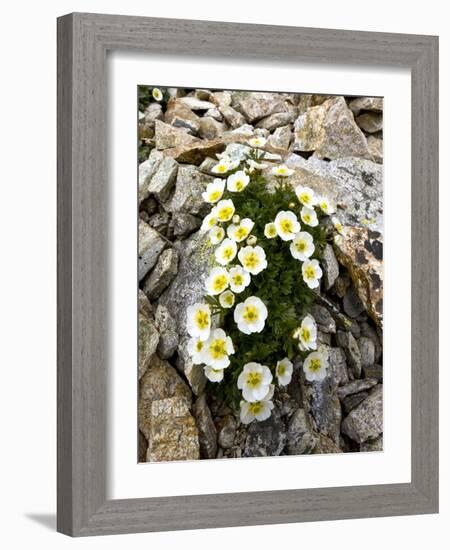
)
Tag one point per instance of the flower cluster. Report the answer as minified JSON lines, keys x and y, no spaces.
{"x":243,"y":226}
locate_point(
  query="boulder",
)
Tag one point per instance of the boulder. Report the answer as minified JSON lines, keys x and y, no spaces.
{"x":168,"y":336}
{"x":277,"y":120}
{"x":366,"y":104}
{"x":163,"y":179}
{"x":366,"y":420}
{"x":350,"y":346}
{"x":146,"y":171}
{"x":376,"y":148}
{"x":226,"y":431}
{"x":207,"y":435}
{"x":370,"y":122}
{"x":265,"y":438}
{"x":169,"y":137}
{"x":257,"y":105}
{"x":189,"y":187}
{"x":280,"y":139}
{"x":356,"y":386}
{"x":162,"y":275}
{"x":330,"y":267}
{"x":300,"y":438}
{"x":179,"y":115}
{"x":148,"y":342}
{"x":151,"y":244}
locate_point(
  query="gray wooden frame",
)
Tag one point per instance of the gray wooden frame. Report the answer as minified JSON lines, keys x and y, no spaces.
{"x":83,"y":41}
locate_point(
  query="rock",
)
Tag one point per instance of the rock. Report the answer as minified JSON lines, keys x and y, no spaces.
{"x":356,"y":386}
{"x":276,"y":120}
{"x":355,"y":184}
{"x":367,"y":349}
{"x":149,"y":205}
{"x":181,"y":116}
{"x":257,"y":105}
{"x":337,"y":366}
{"x":366,"y":104}
{"x":173,"y":432}
{"x":330,"y":267}
{"x":375,"y":445}
{"x":361,"y":252}
{"x":186,"y":289}
{"x":352,"y":304}
{"x":374,"y":371}
{"x":350,"y":346}
{"x":300,"y":437}
{"x":376,"y":148}
{"x":152,"y":113}
{"x":233,"y":118}
{"x":226,"y":431}
{"x":146,"y":171}
{"x":148,"y":342}
{"x":353,"y":400}
{"x":341,"y":284}
{"x":210,"y":128}
{"x":144,"y":305}
{"x":196,"y":104}
{"x":323,"y":318}
{"x":265,"y":438}
{"x":168,"y":336}
{"x":345,"y":323}
{"x":161,"y":277}
{"x":370,"y":122}
{"x":169,"y":137}
{"x":369,"y":332}
{"x":143,"y":446}
{"x":160,"y":222}
{"x":366,"y":420}
{"x":206,"y":430}
{"x":204,"y":95}
{"x":221,"y":99}
{"x":184,"y":224}
{"x":187,"y":198}
{"x":325,"y":445}
{"x":163,"y":179}
{"x":281,"y":138}
{"x":323,"y":338}
{"x":215,"y":114}
{"x":329,"y":130}
{"x":151,"y":244}
{"x":161,"y":381}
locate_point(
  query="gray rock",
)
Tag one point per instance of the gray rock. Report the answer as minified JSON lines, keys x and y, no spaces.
{"x":187,"y":198}
{"x":226,"y":431}
{"x":329,"y":130}
{"x":300,"y":437}
{"x":345,"y":323}
{"x":214,"y":113}
{"x":143,"y":446}
{"x":184,"y":224}
{"x":196,"y":104}
{"x":210,"y":128}
{"x":151,"y":244}
{"x":163,"y":274}
{"x":146,"y":171}
{"x":169,"y":137}
{"x":323,"y":338}
{"x":233,"y":118}
{"x":356,"y":386}
{"x":375,"y":445}
{"x":374,"y":371}
{"x":145,"y":306}
{"x":366,"y":420}
{"x":337,"y":366}
{"x":352,"y":303}
{"x":206,"y":430}
{"x":281,"y":138}
{"x":370,"y":122}
{"x":350,"y":346}
{"x":369,"y":332}
{"x":152,"y":113}
{"x":163,"y":179}
{"x":341,"y":284}
{"x":149,"y":205}
{"x":221,"y":99}
{"x":330,"y":266}
{"x":168,"y":336}
{"x":148,"y":342}
{"x":160,"y":222}
{"x":323,"y":318}
{"x":376,"y":148}
{"x":366,"y":104}
{"x":367,"y":349}
{"x":194,"y":373}
{"x":257,"y":105}
{"x":277,"y":120}
{"x":353,"y":400}
{"x":265,"y":438}
{"x":181,"y":116}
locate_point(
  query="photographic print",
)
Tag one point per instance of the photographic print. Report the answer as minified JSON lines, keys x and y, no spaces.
{"x":260,"y":269}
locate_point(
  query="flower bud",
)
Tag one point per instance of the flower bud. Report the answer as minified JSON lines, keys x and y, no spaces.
{"x":236,"y":219}
{"x":252,"y":240}
{"x":291,"y":206}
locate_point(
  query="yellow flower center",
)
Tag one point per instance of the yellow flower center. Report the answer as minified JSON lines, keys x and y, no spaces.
{"x":255,"y":408}
{"x":214,"y":196}
{"x":217,"y":349}
{"x":310,"y":272}
{"x":281,"y":370}
{"x":241,"y":233}
{"x":305,"y":198}
{"x":281,"y":171}
{"x":219,"y":283}
{"x":225,"y":213}
{"x":271,"y":231}
{"x":238,"y":280}
{"x":202,"y":319}
{"x":254,"y":379}
{"x":286,"y":226}
{"x":251,"y":314}
{"x":212,"y":221}
{"x":228,"y":253}
{"x":324,"y":206}
{"x":251,"y":260}
{"x":300,"y":245}
{"x":239,"y":184}
{"x":228,"y":299}
{"x":221,"y":168}
{"x":306,"y":334}
{"x":199,"y":346}
{"x":314,"y":365}
{"x":307,"y":218}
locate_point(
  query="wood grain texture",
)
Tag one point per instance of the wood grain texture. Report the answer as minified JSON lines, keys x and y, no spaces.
{"x":83,"y":41}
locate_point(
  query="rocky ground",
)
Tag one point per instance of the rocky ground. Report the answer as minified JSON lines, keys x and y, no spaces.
{"x":335,"y":146}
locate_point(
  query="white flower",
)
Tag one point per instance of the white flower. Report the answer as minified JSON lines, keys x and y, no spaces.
{"x":253,"y":259}
{"x":194,"y":348}
{"x":240,"y":231}
{"x":282,"y":171}
{"x":217,"y":281}
{"x":224,"y":210}
{"x":157,"y":94}
{"x":226,"y":252}
{"x":252,"y":240}
{"x":226,"y":299}
{"x":257,"y":142}
{"x":311,"y":273}
{"x":287,"y":225}
{"x":315,"y":365}
{"x":306,"y":196}
{"x":212,"y":374}
{"x":199,"y":321}
{"x":217,"y":349}
{"x":214,"y":191}
{"x":307,"y":334}
{"x":302,"y":247}
{"x":209,"y":221}
{"x":270,"y":231}
{"x":325,"y":205}
{"x":337,"y":225}
{"x":250,"y":316}
{"x":284,"y":371}
{"x":238,"y":181}
{"x":256,"y":165}
{"x":259,"y":410}
{"x":254,"y":381}
{"x":216,"y":234}
{"x":222,"y":167}
{"x":309,"y":216}
{"x":239,"y":279}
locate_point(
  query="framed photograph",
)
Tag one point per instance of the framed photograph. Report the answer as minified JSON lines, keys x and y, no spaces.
{"x":247,"y":274}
